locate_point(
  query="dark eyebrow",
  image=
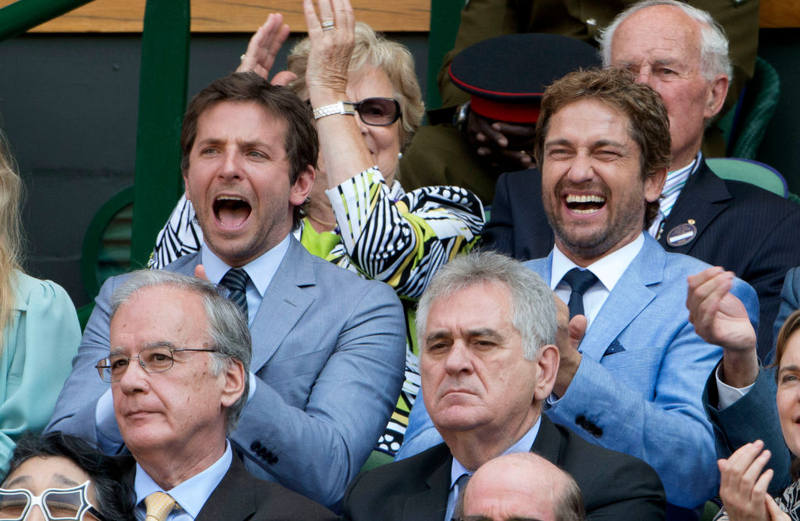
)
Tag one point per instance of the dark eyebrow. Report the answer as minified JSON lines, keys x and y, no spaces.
{"x":560,"y":142}
{"x":65,"y":480}
{"x":608,"y":143}
{"x":789,"y":368}
{"x":485,"y":332}
{"x":437,"y":336}
{"x":18,"y":480}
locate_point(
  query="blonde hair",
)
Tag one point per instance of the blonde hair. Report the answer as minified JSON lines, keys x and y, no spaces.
{"x":374,"y":50}
{"x":11,"y":190}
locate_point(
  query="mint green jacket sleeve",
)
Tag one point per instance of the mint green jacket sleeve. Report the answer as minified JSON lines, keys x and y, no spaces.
{"x":39,"y":342}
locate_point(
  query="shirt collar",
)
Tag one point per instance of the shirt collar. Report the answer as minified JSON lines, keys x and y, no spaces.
{"x":689,"y":169}
{"x":608,"y":269}
{"x":524,"y":444}
{"x":260,"y":270}
{"x":193,"y":493}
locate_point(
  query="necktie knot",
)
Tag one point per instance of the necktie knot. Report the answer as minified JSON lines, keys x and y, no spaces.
{"x":236,"y":282}
{"x":159,"y":505}
{"x":579,"y":281}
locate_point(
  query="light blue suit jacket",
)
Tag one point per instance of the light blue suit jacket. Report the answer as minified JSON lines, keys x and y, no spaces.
{"x":638,"y":388}
{"x":329,"y":353}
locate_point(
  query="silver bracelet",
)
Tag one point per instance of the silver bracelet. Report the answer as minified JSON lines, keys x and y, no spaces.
{"x":340,"y":107}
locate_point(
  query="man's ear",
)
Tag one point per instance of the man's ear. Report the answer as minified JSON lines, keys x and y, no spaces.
{"x":547,"y":367}
{"x":302,"y":186}
{"x":235,"y":378}
{"x":716,"y":96}
{"x":654,"y":184}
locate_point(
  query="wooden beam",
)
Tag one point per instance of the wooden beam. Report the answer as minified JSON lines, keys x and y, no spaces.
{"x":234,"y":16}
{"x":779,"y":13}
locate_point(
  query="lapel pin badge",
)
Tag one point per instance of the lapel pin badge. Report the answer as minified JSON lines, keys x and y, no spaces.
{"x":682,"y":234}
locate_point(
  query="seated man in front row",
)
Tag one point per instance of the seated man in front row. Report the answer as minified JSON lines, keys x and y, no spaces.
{"x":329,"y":347}
{"x":487,"y":326}
{"x":178,"y":368}
{"x":635,"y":384}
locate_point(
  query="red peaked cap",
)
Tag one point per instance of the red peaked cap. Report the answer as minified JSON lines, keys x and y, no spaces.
{"x":507,"y":75}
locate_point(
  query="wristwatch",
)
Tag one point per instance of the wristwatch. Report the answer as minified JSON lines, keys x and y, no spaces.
{"x":340,"y":107}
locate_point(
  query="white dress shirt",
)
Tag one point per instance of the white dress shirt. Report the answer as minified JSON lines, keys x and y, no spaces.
{"x":457,"y":470}
{"x":191,"y":495}
{"x":608,"y":270}
{"x":261,"y":271}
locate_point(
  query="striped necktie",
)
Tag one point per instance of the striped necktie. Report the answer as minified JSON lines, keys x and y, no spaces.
{"x":159,"y":505}
{"x":236,"y":282}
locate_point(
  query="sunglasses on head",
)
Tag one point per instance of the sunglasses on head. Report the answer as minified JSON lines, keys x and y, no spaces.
{"x":378,"y":112}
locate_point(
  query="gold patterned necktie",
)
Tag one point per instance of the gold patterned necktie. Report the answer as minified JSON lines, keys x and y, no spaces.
{"x":159,"y":505}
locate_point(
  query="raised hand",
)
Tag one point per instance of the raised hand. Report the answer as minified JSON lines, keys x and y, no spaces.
{"x":332,"y":35}
{"x":506,"y":146}
{"x":264,"y":47}
{"x":743,"y":487}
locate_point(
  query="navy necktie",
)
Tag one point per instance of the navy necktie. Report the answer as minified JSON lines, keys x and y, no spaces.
{"x":236,"y":282}
{"x":579,"y":281}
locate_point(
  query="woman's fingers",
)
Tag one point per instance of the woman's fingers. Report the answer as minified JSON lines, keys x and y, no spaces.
{"x":264,"y":46}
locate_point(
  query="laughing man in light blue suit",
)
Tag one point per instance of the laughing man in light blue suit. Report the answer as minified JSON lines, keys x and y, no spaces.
{"x":635,"y":382}
{"x":328,"y":346}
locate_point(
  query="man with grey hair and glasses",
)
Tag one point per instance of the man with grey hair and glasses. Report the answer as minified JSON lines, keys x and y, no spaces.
{"x":487,"y":328}
{"x":178,"y":368}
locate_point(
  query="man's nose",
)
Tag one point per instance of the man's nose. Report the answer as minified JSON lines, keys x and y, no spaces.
{"x":581,"y":169}
{"x":643,"y":75}
{"x":134,"y":379}
{"x":458,"y":359}
{"x":231,"y":167}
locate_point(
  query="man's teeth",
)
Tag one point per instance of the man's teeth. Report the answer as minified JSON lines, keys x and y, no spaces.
{"x":229,"y":198}
{"x":585,"y":199}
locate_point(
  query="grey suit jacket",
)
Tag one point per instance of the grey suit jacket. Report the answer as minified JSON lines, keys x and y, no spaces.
{"x":329,"y":353}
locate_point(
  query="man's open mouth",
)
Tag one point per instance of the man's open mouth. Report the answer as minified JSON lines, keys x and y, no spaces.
{"x":584,"y":204}
{"x":231,"y":211}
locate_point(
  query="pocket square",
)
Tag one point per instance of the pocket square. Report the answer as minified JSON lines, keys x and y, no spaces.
{"x":615,"y":347}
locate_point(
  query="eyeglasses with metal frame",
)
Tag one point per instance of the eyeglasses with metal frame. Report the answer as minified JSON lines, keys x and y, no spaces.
{"x":56,"y":504}
{"x":157,"y":359}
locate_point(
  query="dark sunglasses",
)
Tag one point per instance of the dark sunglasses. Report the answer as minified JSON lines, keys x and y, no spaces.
{"x":378,"y":112}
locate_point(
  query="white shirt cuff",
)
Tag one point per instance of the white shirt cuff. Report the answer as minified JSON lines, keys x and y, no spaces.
{"x":728,"y":395}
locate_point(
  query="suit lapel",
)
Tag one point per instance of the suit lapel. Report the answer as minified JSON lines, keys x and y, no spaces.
{"x":703,"y":198}
{"x":548,"y":442}
{"x":629,"y":297}
{"x":431,"y":503}
{"x":233,"y":499}
{"x":284,"y":303}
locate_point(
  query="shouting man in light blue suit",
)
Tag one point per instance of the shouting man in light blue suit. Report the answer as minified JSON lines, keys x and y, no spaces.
{"x":635,"y":380}
{"x":328,"y":346}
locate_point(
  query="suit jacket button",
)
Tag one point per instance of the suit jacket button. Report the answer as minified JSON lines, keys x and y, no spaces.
{"x":593,"y":429}
{"x":256,"y":445}
{"x":272,"y":460}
